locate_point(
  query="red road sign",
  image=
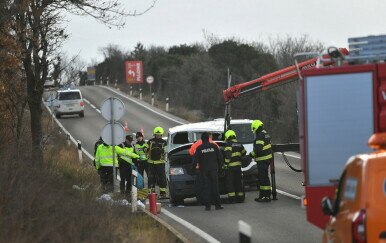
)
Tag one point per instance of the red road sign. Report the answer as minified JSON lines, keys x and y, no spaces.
{"x":134,"y":72}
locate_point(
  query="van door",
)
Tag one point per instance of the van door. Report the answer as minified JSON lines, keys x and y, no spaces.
{"x":376,"y":211}
{"x":347,"y":203}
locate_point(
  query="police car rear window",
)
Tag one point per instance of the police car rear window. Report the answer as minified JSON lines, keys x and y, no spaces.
{"x":69,"y":96}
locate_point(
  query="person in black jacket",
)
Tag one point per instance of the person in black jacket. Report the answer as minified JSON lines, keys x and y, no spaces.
{"x":263,"y":155}
{"x":210,"y":158}
{"x":156,"y":162}
{"x":233,"y":153}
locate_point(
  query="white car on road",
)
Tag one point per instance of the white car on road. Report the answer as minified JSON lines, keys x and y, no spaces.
{"x":69,"y":101}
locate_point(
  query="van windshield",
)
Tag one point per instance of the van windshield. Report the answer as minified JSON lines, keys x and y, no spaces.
{"x":243,"y":132}
{"x":69,"y":96}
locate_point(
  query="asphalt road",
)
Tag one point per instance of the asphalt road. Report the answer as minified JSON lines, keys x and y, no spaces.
{"x":279,"y":221}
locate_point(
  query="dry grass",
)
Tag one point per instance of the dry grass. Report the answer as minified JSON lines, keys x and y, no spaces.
{"x":38,"y":203}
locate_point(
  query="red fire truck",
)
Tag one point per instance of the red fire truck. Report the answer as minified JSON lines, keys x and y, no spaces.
{"x":341,"y":103}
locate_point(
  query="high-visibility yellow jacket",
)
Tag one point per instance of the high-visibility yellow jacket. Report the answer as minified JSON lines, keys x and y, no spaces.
{"x":129,"y":155}
{"x":141,"y":148}
{"x":104,"y":155}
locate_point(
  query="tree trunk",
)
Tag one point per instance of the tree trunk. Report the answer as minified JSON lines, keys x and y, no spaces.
{"x":35,"y":94}
{"x":36,"y":130}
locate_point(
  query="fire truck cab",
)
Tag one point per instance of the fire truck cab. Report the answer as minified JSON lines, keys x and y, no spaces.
{"x":340,"y":108}
{"x":341,"y":103}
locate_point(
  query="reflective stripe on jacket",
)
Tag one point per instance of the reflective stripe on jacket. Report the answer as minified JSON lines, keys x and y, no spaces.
{"x":104,"y":155}
{"x":128,"y":155}
{"x":156,"y":151}
{"x":141,"y":150}
{"x":262,"y":148}
{"x":233,"y":152}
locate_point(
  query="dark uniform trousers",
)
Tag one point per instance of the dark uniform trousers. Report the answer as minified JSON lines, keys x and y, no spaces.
{"x":125,"y":174}
{"x":210,"y":194}
{"x":141,"y":166}
{"x":107,"y":178}
{"x":264,"y":182}
{"x":234,"y":180}
{"x":156,"y":175}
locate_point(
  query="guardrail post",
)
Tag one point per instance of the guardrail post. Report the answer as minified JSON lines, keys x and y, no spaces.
{"x":134,"y":191}
{"x":167,"y":104}
{"x":68,"y":139}
{"x":140,"y":93}
{"x":80,"y":154}
{"x":245,"y":232}
{"x":152,"y":99}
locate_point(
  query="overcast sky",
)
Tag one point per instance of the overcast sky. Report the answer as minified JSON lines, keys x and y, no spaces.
{"x":174,"y":22}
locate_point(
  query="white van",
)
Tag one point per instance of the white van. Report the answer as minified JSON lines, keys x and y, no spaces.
{"x":69,"y":101}
{"x":180,"y":139}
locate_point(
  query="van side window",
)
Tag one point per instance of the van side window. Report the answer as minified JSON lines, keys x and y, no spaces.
{"x":181,"y":138}
{"x":339,"y":193}
{"x":350,"y":188}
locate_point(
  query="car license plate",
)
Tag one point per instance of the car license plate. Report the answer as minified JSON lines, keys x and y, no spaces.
{"x":70,"y":105}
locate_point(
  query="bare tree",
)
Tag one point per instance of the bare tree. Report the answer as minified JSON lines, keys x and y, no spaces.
{"x":38,"y":28}
{"x":283,"y":49}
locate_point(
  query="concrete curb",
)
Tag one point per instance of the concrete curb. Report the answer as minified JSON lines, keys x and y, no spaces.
{"x":166,"y":225}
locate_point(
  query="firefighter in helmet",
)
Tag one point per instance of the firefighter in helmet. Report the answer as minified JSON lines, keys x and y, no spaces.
{"x":234,"y":178}
{"x":156,"y":162}
{"x":262,"y":153}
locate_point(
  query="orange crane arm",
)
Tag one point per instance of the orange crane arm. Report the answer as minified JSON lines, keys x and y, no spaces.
{"x":276,"y":77}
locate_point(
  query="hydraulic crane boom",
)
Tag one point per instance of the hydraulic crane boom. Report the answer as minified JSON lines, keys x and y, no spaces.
{"x":270,"y":80}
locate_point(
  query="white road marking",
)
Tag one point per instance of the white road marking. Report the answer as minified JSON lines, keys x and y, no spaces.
{"x":288,"y":194}
{"x":190,"y":226}
{"x":156,"y":112}
{"x":93,"y":106}
{"x":88,"y":102}
{"x":99,"y":111}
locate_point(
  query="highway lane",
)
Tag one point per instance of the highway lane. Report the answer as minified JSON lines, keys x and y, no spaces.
{"x":281,"y":221}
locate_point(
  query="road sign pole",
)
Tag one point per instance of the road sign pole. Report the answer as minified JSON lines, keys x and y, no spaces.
{"x":112,"y":121}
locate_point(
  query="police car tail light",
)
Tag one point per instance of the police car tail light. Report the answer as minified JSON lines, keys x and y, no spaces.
{"x":359,"y":227}
{"x":176,"y":171}
{"x":58,"y":106}
{"x":81,"y":103}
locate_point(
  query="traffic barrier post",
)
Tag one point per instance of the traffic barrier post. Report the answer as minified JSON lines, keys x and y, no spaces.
{"x":167,"y":104}
{"x":152,"y":99}
{"x":131,"y":90}
{"x":80,"y":154}
{"x":68,"y":139}
{"x":245,"y":232}
{"x":140,"y":93}
{"x":134,"y":176}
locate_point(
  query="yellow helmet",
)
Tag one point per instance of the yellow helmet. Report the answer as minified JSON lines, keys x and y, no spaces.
{"x":255,"y":125}
{"x":158,"y":130}
{"x":229,"y":134}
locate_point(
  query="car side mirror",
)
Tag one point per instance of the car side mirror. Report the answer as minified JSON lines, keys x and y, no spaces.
{"x":327,"y":206}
